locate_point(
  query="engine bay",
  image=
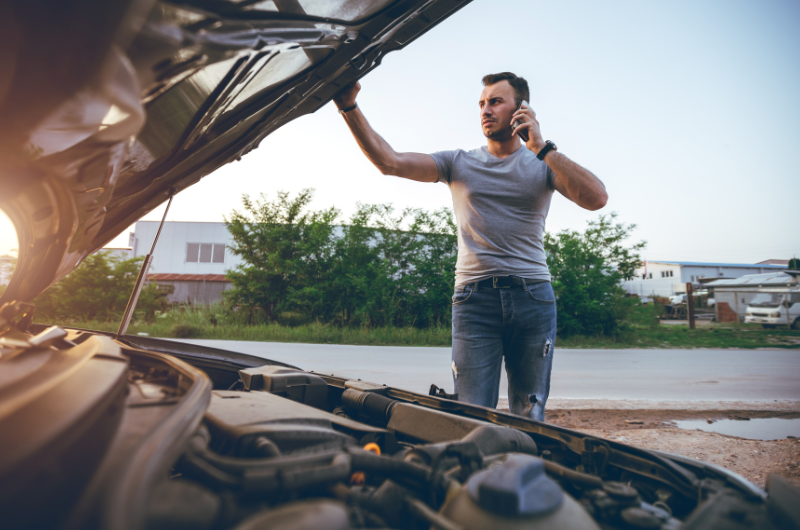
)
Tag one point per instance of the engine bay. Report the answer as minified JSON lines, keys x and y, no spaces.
{"x":299,"y":451}
{"x":211,"y":441}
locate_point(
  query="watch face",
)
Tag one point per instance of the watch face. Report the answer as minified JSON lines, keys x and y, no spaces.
{"x":553,"y":144}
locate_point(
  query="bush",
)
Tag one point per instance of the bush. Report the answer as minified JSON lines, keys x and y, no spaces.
{"x":292,"y":319}
{"x":645,"y":315}
{"x":99,"y":289}
{"x":587,"y":270}
{"x":381,"y":269}
{"x":185,"y":331}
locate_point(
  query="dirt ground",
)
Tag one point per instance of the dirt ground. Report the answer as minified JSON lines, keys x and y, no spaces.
{"x":654,"y":429}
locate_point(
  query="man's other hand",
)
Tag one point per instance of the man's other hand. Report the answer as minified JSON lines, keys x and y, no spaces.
{"x":347,"y":97}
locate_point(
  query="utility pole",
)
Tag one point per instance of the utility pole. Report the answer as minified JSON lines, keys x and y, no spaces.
{"x":690,"y":304}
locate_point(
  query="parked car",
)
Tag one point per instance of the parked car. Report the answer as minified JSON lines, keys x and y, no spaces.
{"x":107,"y":109}
{"x":677,"y":299}
{"x":774,"y":309}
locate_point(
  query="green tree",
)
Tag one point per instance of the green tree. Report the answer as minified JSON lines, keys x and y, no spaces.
{"x":794,"y":264}
{"x":381,"y":268}
{"x":286,"y":252}
{"x":98,"y":289}
{"x":587,"y":270}
{"x":397,"y":268}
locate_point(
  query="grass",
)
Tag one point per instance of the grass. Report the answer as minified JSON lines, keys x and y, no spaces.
{"x":680,"y":336}
{"x":642,"y":331}
{"x":199,"y":323}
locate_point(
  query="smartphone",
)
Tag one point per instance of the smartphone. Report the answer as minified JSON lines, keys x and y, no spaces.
{"x":522,"y":134}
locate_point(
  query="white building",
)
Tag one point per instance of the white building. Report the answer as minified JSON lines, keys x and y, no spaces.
{"x":121,"y":253}
{"x":666,"y":278}
{"x":190,"y":259}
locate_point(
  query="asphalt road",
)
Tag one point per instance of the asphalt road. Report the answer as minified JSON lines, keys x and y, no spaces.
{"x":668,"y":375}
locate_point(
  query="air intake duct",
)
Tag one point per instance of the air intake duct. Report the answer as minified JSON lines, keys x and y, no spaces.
{"x":368,"y":406}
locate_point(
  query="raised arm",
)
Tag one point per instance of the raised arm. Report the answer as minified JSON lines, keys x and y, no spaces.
{"x":573,"y":181}
{"x":413,"y":166}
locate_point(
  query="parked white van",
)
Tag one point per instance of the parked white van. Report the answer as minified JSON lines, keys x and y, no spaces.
{"x":774,"y":309}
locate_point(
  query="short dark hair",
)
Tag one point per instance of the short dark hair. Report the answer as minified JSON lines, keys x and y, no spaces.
{"x":519,"y":84}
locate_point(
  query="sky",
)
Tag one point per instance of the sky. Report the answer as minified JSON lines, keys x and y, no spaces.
{"x":687,"y":111}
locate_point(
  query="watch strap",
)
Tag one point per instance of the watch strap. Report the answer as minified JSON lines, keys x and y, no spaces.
{"x":348,"y":109}
{"x":548,"y":146}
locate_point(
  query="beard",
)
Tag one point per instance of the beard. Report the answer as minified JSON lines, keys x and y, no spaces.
{"x":500,"y":135}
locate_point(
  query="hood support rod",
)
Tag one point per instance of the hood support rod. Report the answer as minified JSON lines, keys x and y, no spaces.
{"x":137,"y":287}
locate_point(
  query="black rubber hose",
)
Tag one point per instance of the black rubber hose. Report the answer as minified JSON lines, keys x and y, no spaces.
{"x":369,"y":404}
{"x":192,"y":466}
{"x":263,"y":447}
{"x":576,"y":477}
{"x":367,"y":461}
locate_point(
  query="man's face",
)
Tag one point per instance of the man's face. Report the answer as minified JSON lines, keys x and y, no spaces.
{"x":497,"y":106}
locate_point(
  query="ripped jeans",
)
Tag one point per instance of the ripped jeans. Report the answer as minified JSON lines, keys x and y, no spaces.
{"x":518,"y":324}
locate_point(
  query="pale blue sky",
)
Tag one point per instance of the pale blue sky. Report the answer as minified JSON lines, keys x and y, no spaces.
{"x":688,"y":111}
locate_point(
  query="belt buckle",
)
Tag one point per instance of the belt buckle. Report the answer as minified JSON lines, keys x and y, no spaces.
{"x":494,"y":282}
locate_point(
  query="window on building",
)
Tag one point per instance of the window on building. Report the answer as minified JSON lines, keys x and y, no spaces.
{"x":205,"y":253}
{"x":219,"y":254}
{"x":650,"y":275}
{"x":192,"y":249}
{"x":670,"y":274}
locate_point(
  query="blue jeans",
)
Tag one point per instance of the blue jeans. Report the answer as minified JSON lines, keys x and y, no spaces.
{"x":516,"y":323}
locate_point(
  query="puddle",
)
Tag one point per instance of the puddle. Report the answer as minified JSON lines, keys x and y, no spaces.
{"x":755,"y":429}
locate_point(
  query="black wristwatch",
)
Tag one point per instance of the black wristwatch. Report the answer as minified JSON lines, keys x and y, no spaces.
{"x":348,"y":109}
{"x":548,"y":146}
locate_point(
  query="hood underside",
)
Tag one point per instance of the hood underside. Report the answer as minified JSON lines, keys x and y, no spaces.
{"x":108,"y":108}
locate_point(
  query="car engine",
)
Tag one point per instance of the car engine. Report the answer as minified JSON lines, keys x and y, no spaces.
{"x":149,"y":433}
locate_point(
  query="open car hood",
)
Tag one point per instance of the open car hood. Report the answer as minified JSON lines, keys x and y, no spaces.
{"x":108,"y":108}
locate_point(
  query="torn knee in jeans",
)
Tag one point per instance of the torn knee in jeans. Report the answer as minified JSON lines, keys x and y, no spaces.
{"x":455,"y":370}
{"x":547,"y":345}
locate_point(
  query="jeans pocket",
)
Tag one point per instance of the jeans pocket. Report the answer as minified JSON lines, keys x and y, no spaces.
{"x":542,"y":292}
{"x":463,"y":295}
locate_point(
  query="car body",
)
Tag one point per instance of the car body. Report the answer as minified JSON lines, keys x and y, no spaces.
{"x":107,"y":109}
{"x":774,"y":309}
{"x":677,"y":299}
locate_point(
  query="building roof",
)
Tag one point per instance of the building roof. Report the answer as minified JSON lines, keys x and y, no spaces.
{"x":188,"y":277}
{"x":774,"y":262}
{"x":711,"y":264}
{"x":769,"y":279}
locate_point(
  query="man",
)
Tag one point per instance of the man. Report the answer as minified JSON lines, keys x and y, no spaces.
{"x":503,"y":306}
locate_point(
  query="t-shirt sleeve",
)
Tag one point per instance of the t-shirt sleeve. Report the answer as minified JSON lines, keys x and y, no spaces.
{"x":444,"y":163}
{"x":550,"y":177}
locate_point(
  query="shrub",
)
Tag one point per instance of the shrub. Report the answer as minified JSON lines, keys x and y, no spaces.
{"x":587,"y":270}
{"x":99,"y":289}
{"x":382,"y":268}
{"x":185,"y":331}
{"x":292,"y":319}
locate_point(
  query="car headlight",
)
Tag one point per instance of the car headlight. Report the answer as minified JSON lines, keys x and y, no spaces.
{"x":774,"y":315}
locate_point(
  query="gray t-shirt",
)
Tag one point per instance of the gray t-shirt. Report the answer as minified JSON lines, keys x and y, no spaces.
{"x":500,"y":206}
